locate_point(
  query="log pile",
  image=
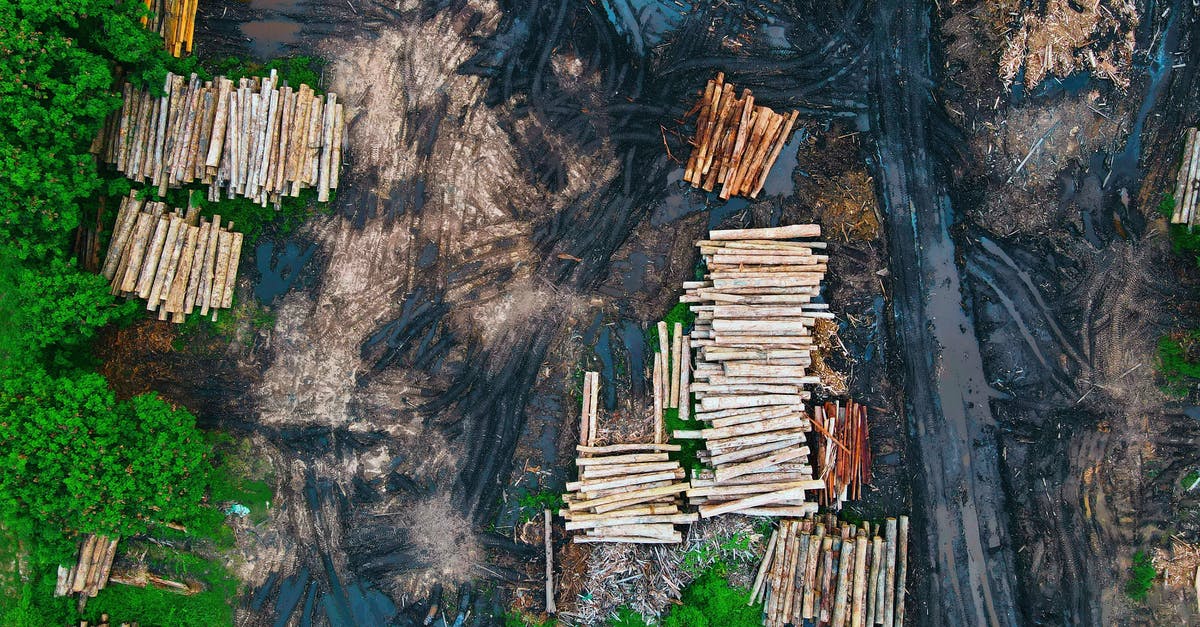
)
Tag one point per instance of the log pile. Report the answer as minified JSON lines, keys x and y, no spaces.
{"x":104,"y":622}
{"x":671,"y":376}
{"x":736,"y":141}
{"x":175,"y":20}
{"x":753,"y":341}
{"x":625,"y":492}
{"x":254,"y":139}
{"x":1187,"y":185}
{"x":843,"y":451}
{"x":178,"y":262}
{"x":833,"y":573}
{"x":90,"y":573}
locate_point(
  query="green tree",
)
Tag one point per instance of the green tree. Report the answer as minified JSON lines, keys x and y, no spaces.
{"x":73,"y":456}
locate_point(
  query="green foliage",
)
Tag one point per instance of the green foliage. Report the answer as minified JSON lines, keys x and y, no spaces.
{"x":720,"y":555}
{"x":74,"y":457}
{"x":1166,"y":207}
{"x":681,"y":313}
{"x":58,"y":59}
{"x":295,"y":71}
{"x":532,"y":503}
{"x":150,"y":606}
{"x":688,"y":448}
{"x":625,"y":616}
{"x":1178,"y":361}
{"x":248,"y":217}
{"x":1141,"y":577}
{"x":1189,"y":480}
{"x":709,"y":601}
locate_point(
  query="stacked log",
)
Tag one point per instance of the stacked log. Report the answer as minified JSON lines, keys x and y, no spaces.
{"x":1187,"y":185}
{"x":753,"y":341}
{"x":175,"y":20}
{"x":628,"y":492}
{"x":255,"y":139}
{"x":91,"y":571}
{"x":833,"y":573}
{"x":736,"y":141}
{"x":843,"y":451}
{"x":176,"y":261}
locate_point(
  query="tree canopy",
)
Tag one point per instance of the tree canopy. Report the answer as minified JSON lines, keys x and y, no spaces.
{"x":73,"y":456}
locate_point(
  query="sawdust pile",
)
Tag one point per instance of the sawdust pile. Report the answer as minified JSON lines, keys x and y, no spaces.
{"x":442,"y":539}
{"x":1179,"y":565}
{"x":1066,"y":36}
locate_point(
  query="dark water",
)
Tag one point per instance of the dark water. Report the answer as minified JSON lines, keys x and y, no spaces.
{"x":269,"y":38}
{"x":280,"y":269}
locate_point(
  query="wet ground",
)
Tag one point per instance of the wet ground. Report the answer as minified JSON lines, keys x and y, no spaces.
{"x":512,"y":213}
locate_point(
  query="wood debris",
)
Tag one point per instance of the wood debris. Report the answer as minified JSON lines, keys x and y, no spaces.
{"x":626,"y":493}
{"x":736,"y":141}
{"x":91,"y":571}
{"x":827,"y":572}
{"x":1061,"y":37}
{"x":175,"y":20}
{"x":104,"y":622}
{"x":178,"y":262}
{"x":1187,"y":184}
{"x":843,"y":451}
{"x":254,"y":139}
{"x":753,"y":342}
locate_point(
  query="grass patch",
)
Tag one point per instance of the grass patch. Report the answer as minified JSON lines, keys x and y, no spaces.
{"x":292,"y":70}
{"x":532,"y":503}
{"x":516,"y":618}
{"x":1179,"y":361}
{"x":686,"y":455}
{"x":1141,"y":577}
{"x":1166,"y":206}
{"x":1189,"y":479}
{"x":681,"y":313}
{"x":709,"y":601}
{"x":625,"y":616}
{"x":151,"y":606}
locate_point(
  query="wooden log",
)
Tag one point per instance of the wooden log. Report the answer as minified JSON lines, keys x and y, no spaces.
{"x":872,"y":613}
{"x":812,"y":572}
{"x":685,"y":382}
{"x":196,"y":271}
{"x":620,"y":448}
{"x":735,"y":470}
{"x":83,"y":563}
{"x":585,"y":425}
{"x":1178,"y":216}
{"x":708,"y":511}
{"x":723,"y":490}
{"x":279,"y":161}
{"x":150,"y":263}
{"x":316,"y":116}
{"x":609,"y":503}
{"x":162,"y":287}
{"x":858,"y":598}
{"x":594,"y":408}
{"x":221,"y":270}
{"x":1190,"y":185}
{"x":617,"y":470}
{"x":676,"y":351}
{"x":339,"y":129}
{"x":791,"y":421}
{"x":751,"y":452}
{"x":127,"y":216}
{"x":178,"y":292}
{"x":759,"y":400}
{"x":757,"y":589}
{"x":744,"y":442}
{"x":779,"y":144}
{"x":326,"y":148}
{"x":722,"y":97}
{"x":614,"y":519}
{"x":705,"y":105}
{"x":889,"y":577}
{"x":650,"y":509}
{"x":235,"y":256}
{"x":843,"y":590}
{"x":786,"y":614}
{"x":126,"y":278}
{"x":657,"y":378}
{"x":901,"y":573}
{"x":207,"y":278}
{"x":675,"y":538}
{"x":550,"y":607}
{"x":770,"y":233}
{"x":621,"y":459}
{"x":748,"y":176}
{"x":606,"y":484}
{"x":216,"y":143}
{"x":775,"y":575}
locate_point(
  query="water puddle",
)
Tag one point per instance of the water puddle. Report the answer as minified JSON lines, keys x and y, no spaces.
{"x":268,"y":38}
{"x":644,"y":23}
{"x":279,"y":270}
{"x":634,"y":340}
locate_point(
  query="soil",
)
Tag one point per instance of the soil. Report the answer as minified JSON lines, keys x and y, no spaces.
{"x":512,"y":214}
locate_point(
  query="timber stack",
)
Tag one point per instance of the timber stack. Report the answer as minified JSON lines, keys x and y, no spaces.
{"x":178,"y":262}
{"x":753,"y":341}
{"x":90,"y":573}
{"x":255,"y":139}
{"x":833,"y":573}
{"x":736,"y":141}
{"x":843,"y":451}
{"x":626,"y":492}
{"x":1187,"y":185}
{"x":175,"y":20}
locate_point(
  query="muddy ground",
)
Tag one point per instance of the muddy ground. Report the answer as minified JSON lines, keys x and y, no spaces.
{"x":512,"y":213}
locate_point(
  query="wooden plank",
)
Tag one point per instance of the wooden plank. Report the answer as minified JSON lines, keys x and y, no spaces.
{"x":204,"y":298}
{"x":235,"y":256}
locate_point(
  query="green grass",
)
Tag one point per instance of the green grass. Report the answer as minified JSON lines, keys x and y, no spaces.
{"x":681,"y":313}
{"x":709,"y":601}
{"x":1141,"y":577}
{"x":515,"y":618}
{"x":532,"y":503}
{"x":1179,"y":361}
{"x":625,"y":616}
{"x":1166,"y":206}
{"x":1189,"y":479}
{"x":686,"y":455}
{"x":151,"y":606}
{"x":294,"y":70}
